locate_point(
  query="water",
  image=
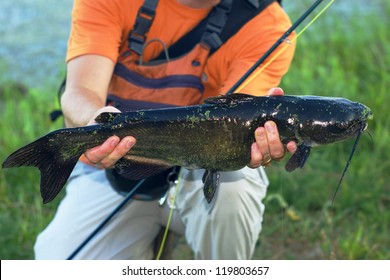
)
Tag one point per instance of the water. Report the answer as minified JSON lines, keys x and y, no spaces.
{"x":33,"y":35}
{"x":33,"y":38}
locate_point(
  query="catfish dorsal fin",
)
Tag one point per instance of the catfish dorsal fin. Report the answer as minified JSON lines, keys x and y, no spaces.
{"x":106,"y":117}
{"x":228,"y":99}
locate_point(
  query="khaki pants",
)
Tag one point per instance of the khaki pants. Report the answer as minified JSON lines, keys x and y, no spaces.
{"x":228,"y":228}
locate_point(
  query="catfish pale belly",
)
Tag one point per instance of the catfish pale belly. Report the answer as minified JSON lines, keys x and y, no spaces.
{"x":216,"y":136}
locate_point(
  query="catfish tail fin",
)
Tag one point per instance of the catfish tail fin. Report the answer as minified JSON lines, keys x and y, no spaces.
{"x":54,"y":158}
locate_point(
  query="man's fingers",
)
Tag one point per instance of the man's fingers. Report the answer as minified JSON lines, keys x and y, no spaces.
{"x":256,"y":156}
{"x":96,"y":154}
{"x":276,"y":91}
{"x":119,"y":151}
{"x":107,"y":154}
{"x":262,"y":143}
{"x":291,"y":147}
{"x":275,"y":146}
{"x":268,"y":146}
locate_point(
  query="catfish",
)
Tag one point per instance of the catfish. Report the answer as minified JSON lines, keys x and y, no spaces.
{"x":216,"y":136}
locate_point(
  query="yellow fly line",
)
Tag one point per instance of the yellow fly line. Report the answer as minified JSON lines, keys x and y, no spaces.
{"x":288,"y":42}
{"x":169,"y":218}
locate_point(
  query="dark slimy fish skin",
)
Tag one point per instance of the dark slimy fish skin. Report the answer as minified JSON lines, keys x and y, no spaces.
{"x":215,"y":136}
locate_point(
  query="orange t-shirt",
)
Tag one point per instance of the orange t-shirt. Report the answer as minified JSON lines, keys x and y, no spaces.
{"x":101,"y":27}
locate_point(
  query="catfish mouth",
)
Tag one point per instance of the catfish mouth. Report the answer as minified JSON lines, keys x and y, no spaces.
{"x":357,"y":127}
{"x":361,"y":125}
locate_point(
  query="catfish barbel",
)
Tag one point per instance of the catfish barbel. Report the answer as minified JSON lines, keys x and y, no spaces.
{"x":216,"y":136}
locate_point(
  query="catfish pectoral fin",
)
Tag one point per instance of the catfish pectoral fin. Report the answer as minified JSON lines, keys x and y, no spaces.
{"x":211,"y":182}
{"x":298,"y":159}
{"x":43,"y":154}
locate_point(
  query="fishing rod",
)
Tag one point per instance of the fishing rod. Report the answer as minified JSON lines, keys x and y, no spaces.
{"x":239,"y":84}
{"x":284,"y":38}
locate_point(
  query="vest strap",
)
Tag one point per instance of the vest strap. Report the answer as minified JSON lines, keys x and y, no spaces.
{"x":144,"y":20}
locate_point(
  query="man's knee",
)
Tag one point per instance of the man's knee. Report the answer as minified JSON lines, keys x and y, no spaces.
{"x":238,"y":210}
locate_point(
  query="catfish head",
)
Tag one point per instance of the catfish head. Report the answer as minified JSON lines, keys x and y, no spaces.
{"x":325,"y":120}
{"x":332,"y":120}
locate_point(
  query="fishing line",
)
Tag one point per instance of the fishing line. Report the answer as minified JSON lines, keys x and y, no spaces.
{"x":105,"y":221}
{"x":282,"y":211}
{"x":369,"y":134}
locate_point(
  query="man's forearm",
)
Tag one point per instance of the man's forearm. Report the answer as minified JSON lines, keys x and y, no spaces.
{"x":79,"y":106}
{"x":88,"y":77}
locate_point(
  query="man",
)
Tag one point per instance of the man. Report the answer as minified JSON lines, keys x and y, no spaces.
{"x":226,"y":229}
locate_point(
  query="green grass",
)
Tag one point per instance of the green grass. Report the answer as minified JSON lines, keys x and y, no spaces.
{"x":338,"y":56}
{"x":25,"y":116}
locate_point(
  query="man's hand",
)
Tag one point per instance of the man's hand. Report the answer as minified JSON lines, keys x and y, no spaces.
{"x":107,"y":154}
{"x":268,"y":146}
